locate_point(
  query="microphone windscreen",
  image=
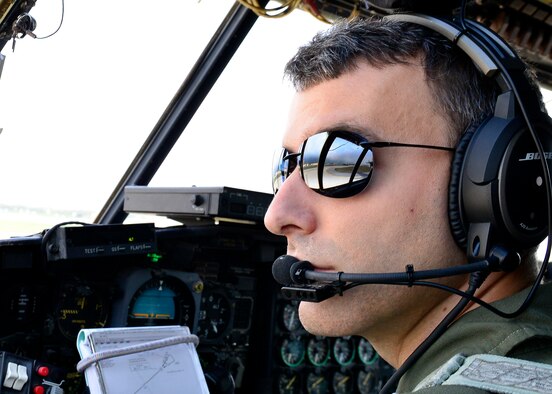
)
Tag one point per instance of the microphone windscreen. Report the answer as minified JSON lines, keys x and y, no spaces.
{"x":281,"y":269}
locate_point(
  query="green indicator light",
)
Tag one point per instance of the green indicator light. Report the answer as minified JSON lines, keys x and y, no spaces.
{"x":154,"y":257}
{"x":130,"y":239}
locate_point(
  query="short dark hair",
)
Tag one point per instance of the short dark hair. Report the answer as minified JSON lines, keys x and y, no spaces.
{"x":461,"y":92}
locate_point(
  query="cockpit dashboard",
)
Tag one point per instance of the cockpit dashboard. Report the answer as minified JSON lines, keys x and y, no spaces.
{"x":213,"y":277}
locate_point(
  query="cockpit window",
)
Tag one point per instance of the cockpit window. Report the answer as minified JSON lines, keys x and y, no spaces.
{"x":75,"y":108}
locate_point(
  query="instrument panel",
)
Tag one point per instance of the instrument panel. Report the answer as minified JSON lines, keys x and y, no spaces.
{"x":215,"y":279}
{"x":323,"y":365}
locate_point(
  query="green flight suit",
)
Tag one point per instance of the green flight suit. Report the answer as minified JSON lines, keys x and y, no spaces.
{"x":527,"y":337}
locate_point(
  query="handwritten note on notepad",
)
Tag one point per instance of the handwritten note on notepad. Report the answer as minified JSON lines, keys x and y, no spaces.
{"x":119,"y":364}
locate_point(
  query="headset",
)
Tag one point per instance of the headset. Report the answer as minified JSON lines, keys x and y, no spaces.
{"x":498,"y":192}
{"x":500,"y":186}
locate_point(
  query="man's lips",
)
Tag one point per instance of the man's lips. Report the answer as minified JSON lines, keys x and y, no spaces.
{"x":314,"y":266}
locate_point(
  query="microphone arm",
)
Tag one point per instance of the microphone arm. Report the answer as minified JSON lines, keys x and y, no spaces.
{"x":306,"y":284}
{"x":408,"y":276}
{"x":313,"y":286}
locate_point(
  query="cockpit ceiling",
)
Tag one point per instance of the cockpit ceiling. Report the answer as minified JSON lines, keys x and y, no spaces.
{"x":526,"y":25}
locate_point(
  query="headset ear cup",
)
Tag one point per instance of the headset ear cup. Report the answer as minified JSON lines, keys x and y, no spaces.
{"x":457,"y":227}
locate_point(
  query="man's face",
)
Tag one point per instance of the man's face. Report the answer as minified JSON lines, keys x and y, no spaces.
{"x":399,"y":219}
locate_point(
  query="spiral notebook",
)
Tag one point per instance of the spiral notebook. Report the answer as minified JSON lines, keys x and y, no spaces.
{"x":160,"y":370}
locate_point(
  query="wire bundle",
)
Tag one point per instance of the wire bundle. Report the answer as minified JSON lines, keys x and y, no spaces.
{"x":287,"y":6}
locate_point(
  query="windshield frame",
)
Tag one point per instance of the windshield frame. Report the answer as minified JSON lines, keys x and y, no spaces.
{"x":204,"y":74}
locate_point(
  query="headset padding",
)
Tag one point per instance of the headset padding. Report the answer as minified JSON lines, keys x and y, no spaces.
{"x":454,"y":204}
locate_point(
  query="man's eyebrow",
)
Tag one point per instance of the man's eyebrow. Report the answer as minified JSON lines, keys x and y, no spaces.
{"x":363,"y":131}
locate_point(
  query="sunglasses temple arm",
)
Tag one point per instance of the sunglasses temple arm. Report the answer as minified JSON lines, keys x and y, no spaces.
{"x":399,"y":144}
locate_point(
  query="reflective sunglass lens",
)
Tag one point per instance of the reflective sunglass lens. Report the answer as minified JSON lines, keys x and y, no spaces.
{"x":336,"y":166}
{"x":279,"y":170}
{"x":283,"y":164}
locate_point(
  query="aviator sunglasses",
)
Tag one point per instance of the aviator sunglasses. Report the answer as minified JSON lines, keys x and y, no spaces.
{"x":335,"y":164}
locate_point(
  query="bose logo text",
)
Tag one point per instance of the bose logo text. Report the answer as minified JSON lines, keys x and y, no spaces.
{"x":536,"y":156}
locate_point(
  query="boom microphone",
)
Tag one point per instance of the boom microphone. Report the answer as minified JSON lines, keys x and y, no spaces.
{"x":302,"y":282}
{"x":287,"y":270}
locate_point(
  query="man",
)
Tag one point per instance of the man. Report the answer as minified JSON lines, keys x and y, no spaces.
{"x":361,"y":82}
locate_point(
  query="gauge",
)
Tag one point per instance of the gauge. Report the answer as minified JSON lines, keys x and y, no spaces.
{"x":214,"y":315}
{"x":344,"y":350}
{"x":292,"y":351}
{"x":162,"y":301}
{"x":366,"y":352}
{"x":318,"y":351}
{"x":317,"y":384}
{"x":343,"y":383}
{"x":366,"y":382}
{"x":289,"y":383}
{"x":23,"y":305}
{"x":80,"y":306}
{"x":290,"y":317}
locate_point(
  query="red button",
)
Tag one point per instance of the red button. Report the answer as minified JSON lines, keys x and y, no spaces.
{"x":38,"y":390}
{"x":43,"y":371}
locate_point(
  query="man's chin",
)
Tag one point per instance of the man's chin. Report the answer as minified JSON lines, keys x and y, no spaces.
{"x":328,"y":318}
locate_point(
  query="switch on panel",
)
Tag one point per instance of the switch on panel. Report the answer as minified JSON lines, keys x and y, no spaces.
{"x":27,"y":376}
{"x":16,"y":376}
{"x":11,"y":375}
{"x":22,"y":378}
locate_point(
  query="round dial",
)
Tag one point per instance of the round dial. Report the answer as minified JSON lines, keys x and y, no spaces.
{"x":80,"y":306}
{"x":292,"y":351}
{"x":366,"y":352}
{"x":290,"y":317}
{"x":343,"y":383}
{"x":344,"y":350}
{"x":318,"y":351}
{"x":214,"y":315}
{"x":289,"y":383}
{"x":317,"y":384}
{"x":162,"y":301}
{"x":366,"y":382}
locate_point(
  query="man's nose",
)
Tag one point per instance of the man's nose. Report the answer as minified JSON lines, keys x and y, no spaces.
{"x":291,"y":208}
